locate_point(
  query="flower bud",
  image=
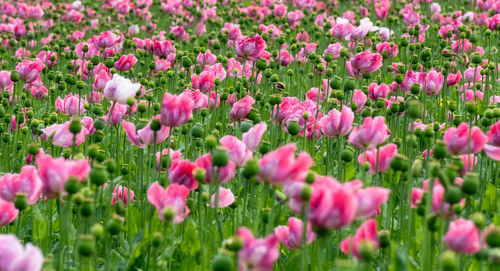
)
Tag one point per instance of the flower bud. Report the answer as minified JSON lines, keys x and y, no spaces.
{"x":168,"y":213}
{"x":251,"y":169}
{"x":98,"y":175}
{"x":220,"y":157}
{"x":157,"y":239}
{"x":114,"y":225}
{"x":87,"y":207}
{"x":97,"y":231}
{"x":384,"y":237}
{"x":72,"y":186}
{"x":349,"y":85}
{"x":21,"y":202}
{"x":470,"y":184}
{"x":293,"y":128}
{"x":75,"y":126}
{"x":196,"y":131}
{"x":367,"y":250}
{"x":453,"y":194}
{"x":199,"y":174}
{"x":234,"y":244}
{"x":86,"y":245}
{"x":493,"y":237}
{"x":305,"y":193}
{"x":155,"y":125}
{"x":448,"y":261}
{"x":222,"y":262}
{"x":211,"y":141}
{"x":478,"y":219}
{"x":346,"y":155}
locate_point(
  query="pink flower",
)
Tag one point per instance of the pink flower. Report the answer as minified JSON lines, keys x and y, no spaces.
{"x":241,"y":108}
{"x":337,"y":123}
{"x":204,"y":82}
{"x":100,"y":81}
{"x":176,"y":110}
{"x":457,"y":139}
{"x":181,"y":172}
{"x":462,"y":237}
{"x":126,"y":62}
{"x":162,"y":48}
{"x":257,"y":254}
{"x":71,"y":104}
{"x":145,"y":136}
{"x":206,"y":58}
{"x":15,"y":257}
{"x":226,"y":173}
{"x":238,"y":152}
{"x":376,"y":92}
{"x":284,"y":58}
{"x":174,"y":196}
{"x":291,"y":235}
{"x":253,"y":136}
{"x":280,"y":166}
{"x":412,"y":78}
{"x":493,"y":22}
{"x":332,"y":204}
{"x":119,"y":89}
{"x":367,"y":232}
{"x":390,"y":48}
{"x":48,"y":58}
{"x":9,"y":213}
{"x":54,"y":173}
{"x":333,"y":49}
{"x":105,"y":40}
{"x":280,"y":10}
{"x":29,"y":70}
{"x":369,"y":201}
{"x":61,"y":135}
{"x":226,"y":198}
{"x":122,"y":193}
{"x":342,"y":31}
{"x":453,"y":78}
{"x":493,"y":148}
{"x":385,"y":155}
{"x":27,"y":182}
{"x":5,"y":81}
{"x":251,"y":48}
{"x":370,"y":134}
{"x":366,"y":62}
{"x":469,"y":74}
{"x":433,"y":82}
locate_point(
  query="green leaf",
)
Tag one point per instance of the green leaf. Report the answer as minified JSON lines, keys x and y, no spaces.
{"x":190,"y":244}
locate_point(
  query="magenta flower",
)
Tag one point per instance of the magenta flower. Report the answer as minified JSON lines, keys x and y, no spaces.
{"x":280,"y":166}
{"x":145,"y":136}
{"x":385,"y":155}
{"x":27,"y":182}
{"x":176,"y":110}
{"x":366,"y":62}
{"x":462,"y":237}
{"x":257,"y":254}
{"x":457,"y":139}
{"x":174,"y":196}
{"x":370,"y":134}
{"x":291,"y":235}
{"x":337,"y":123}
{"x":367,"y":232}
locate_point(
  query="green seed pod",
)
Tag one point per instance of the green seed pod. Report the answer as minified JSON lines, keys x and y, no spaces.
{"x":86,"y":246}
{"x":251,"y":169}
{"x":449,"y":261}
{"x":98,"y":175}
{"x":470,"y":184}
{"x":21,"y":202}
{"x":222,"y":262}
{"x":220,"y":157}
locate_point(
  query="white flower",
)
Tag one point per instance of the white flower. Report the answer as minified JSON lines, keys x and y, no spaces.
{"x":119,"y":89}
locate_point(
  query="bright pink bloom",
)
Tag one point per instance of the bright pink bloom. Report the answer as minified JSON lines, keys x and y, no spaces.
{"x":238,"y":152}
{"x":176,"y":110}
{"x":54,"y":173}
{"x":162,"y":48}
{"x":15,"y":257}
{"x":145,"y":136}
{"x":48,"y":58}
{"x":376,"y":92}
{"x":457,"y":139}
{"x":225,"y":173}
{"x":280,"y":166}
{"x":119,"y":89}
{"x":433,"y":82}
{"x":5,"y":81}
{"x":333,"y":205}
{"x":122,"y":193}
{"x":493,"y":22}
{"x":333,"y":49}
{"x":71,"y":104}
{"x":342,"y":31}
{"x":453,"y":78}
{"x":61,"y":135}
{"x":126,"y":62}
{"x":206,"y":58}
{"x":390,"y":48}
{"x":462,"y":237}
{"x":492,"y":149}
{"x":284,"y":58}
{"x":241,"y":108}
{"x":253,"y":136}
{"x":105,"y":40}
{"x":370,"y":134}
{"x":181,"y":172}
{"x":366,"y":62}
{"x":367,"y":232}
{"x":251,"y":48}
{"x":29,"y":70}
{"x":100,"y":81}
{"x":369,"y":201}
{"x":385,"y":155}
{"x":226,"y":198}
{"x":280,"y":10}
{"x":291,"y":235}
{"x":257,"y":254}
{"x":9,"y":213}
{"x":204,"y":82}
{"x":469,"y":74}
{"x":337,"y":123}
{"x":174,"y":196}
{"x":27,"y":182}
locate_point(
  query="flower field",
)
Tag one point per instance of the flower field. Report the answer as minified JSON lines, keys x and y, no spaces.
{"x":238,"y":135}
